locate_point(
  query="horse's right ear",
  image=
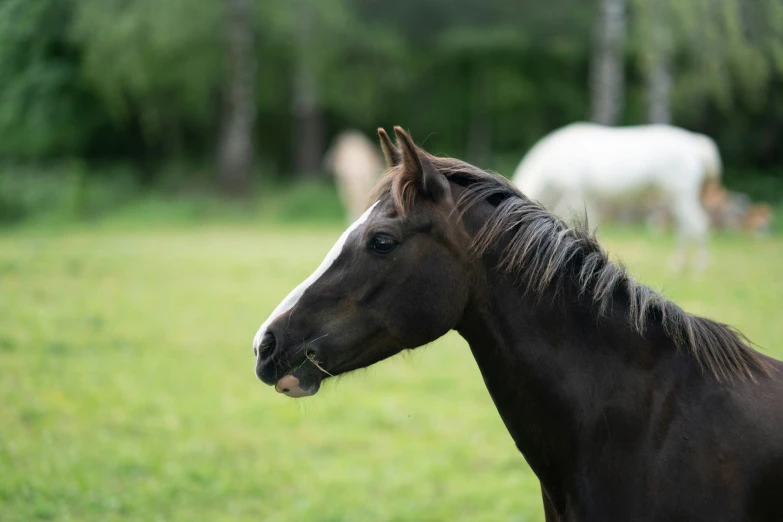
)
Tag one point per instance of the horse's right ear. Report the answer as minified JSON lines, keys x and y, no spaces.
{"x":431,"y":183}
{"x":390,"y":152}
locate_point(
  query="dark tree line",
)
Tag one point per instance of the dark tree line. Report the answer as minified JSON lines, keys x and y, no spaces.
{"x":236,"y":81}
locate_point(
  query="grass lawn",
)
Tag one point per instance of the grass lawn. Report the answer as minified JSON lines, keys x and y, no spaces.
{"x":128,"y":392}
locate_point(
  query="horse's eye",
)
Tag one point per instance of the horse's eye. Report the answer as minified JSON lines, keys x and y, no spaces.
{"x":382,"y":244}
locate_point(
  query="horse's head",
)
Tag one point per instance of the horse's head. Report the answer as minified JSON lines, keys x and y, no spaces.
{"x":397,"y":278}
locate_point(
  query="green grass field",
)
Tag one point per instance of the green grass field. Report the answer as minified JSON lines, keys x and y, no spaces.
{"x":128,"y":391}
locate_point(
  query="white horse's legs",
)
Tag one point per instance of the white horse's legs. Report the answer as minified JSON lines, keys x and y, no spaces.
{"x":692,"y":227}
{"x":658,"y":220}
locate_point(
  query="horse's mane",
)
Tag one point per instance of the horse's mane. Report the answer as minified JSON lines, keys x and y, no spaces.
{"x":543,"y":252}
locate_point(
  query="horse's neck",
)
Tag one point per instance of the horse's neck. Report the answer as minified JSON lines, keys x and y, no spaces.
{"x":552,"y":373}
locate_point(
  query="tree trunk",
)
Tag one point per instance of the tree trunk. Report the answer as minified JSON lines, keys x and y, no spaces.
{"x":479,"y":149}
{"x":607,"y":80}
{"x":308,"y":128}
{"x":658,"y":67}
{"x":235,"y":151}
{"x":659,"y":84}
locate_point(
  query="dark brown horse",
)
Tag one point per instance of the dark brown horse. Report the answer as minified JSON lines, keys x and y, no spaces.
{"x":626,"y":407}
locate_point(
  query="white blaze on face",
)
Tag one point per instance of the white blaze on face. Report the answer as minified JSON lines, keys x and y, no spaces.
{"x":290,"y":301}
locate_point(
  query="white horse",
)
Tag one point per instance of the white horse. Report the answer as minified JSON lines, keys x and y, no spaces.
{"x":357,"y":166}
{"x":583,"y":166}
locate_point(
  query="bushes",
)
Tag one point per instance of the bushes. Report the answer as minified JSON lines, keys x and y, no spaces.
{"x":63,"y":192}
{"x":74,"y":192}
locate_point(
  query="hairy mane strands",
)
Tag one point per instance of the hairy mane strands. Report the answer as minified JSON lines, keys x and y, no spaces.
{"x":541,"y":250}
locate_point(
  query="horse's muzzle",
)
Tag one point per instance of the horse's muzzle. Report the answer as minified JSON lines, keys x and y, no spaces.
{"x":274,"y":368}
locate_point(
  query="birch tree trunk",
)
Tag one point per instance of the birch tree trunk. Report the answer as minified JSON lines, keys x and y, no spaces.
{"x":235,"y":149}
{"x":479,"y":142}
{"x":607,"y":78}
{"x":658,"y":56}
{"x":308,"y":137}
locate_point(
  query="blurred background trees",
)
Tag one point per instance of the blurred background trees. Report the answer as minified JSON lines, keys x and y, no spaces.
{"x":239,"y":105}
{"x":607,"y":63}
{"x":145,"y":83}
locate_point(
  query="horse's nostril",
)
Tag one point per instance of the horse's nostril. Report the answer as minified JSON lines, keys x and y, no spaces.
{"x":268,"y":344}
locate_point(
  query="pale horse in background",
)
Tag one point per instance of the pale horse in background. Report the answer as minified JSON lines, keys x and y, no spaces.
{"x":731,"y":210}
{"x":583,"y":166}
{"x":357,"y":167}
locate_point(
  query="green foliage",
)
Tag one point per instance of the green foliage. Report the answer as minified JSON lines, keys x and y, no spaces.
{"x":62,"y":192}
{"x":141,"y":80}
{"x":45,"y":109}
{"x":761,"y":186}
{"x":72,"y":192}
{"x":728,"y":51}
{"x":157,"y":62}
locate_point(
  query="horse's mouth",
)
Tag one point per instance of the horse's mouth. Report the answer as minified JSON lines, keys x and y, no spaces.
{"x":291,"y":386}
{"x":302,"y":380}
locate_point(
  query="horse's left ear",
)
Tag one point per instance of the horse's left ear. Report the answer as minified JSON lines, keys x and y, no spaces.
{"x":390,"y":152}
{"x":432,"y":183}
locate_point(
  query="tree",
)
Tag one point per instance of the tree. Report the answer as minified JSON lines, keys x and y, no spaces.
{"x":148,"y":81}
{"x":235,"y":153}
{"x":658,"y":50}
{"x":607,"y":79}
{"x":733,"y":48}
{"x":45,"y":107}
{"x":308,"y":137}
{"x":155,"y":67}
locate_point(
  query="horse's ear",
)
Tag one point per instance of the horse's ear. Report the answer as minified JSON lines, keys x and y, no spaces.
{"x":431,"y":182}
{"x":390,"y":152}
